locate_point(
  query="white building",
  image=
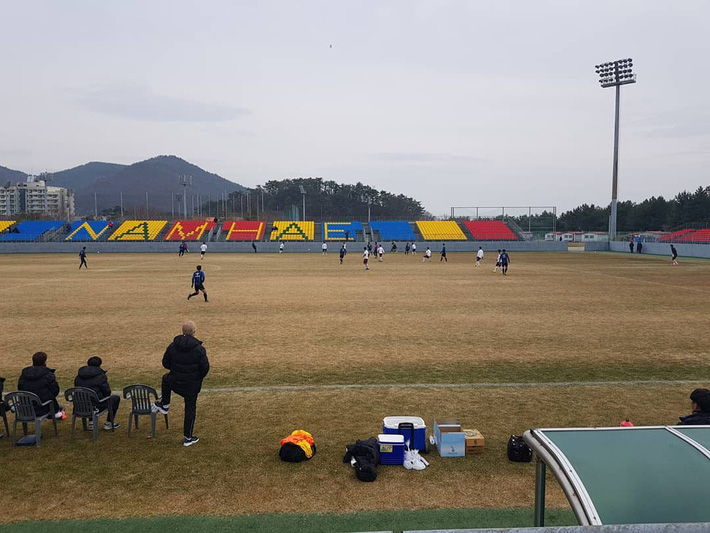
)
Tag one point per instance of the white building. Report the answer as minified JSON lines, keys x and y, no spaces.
{"x":35,"y":196}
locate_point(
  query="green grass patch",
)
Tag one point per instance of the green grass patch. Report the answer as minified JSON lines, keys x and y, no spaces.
{"x":313,"y":523}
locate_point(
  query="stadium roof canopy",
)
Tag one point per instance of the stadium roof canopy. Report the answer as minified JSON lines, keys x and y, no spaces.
{"x":636,"y":475}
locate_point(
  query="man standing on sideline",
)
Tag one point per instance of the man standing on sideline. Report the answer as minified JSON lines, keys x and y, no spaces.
{"x":504,"y":260}
{"x":203,"y":250}
{"x":631,"y":246}
{"x":93,"y":377}
{"x":443,"y":253}
{"x":639,"y":246}
{"x":324,"y":248}
{"x":187,"y":363}
{"x":82,"y":256}
{"x":674,"y":255}
{"x":198,"y":282}
{"x":479,"y":256}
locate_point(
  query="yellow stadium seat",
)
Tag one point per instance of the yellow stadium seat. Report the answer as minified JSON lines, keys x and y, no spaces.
{"x":292,"y":230}
{"x":138,"y":230}
{"x":440,"y":230}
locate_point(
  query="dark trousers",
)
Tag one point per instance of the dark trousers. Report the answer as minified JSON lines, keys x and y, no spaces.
{"x":83,"y":263}
{"x":112,"y":403}
{"x":190,"y":405}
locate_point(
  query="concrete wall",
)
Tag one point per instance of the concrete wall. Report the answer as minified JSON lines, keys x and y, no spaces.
{"x":664,"y":248}
{"x":265,"y":247}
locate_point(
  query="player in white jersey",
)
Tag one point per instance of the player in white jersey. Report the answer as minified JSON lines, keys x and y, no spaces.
{"x":495,"y":269}
{"x":324,"y":248}
{"x":414,"y":248}
{"x":203,"y":250}
{"x":365,"y":258}
{"x":427,"y":255}
{"x":479,"y":256}
{"x":380,"y":253}
{"x":281,"y":247}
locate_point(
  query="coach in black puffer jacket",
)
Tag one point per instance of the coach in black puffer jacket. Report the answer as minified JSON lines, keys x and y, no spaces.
{"x":93,"y":377}
{"x":186,"y":360}
{"x":40,"y":380}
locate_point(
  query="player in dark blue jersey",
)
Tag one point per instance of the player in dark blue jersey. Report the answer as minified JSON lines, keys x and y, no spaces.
{"x":504,"y":260}
{"x":82,"y":256}
{"x":198,"y":282}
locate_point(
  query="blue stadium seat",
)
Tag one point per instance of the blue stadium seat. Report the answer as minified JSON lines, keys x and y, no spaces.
{"x":90,"y":230}
{"x":336,"y":231}
{"x":394,"y":230}
{"x":32,"y":230}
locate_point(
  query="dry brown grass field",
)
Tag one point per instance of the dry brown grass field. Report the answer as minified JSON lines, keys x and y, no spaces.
{"x":560,"y":341}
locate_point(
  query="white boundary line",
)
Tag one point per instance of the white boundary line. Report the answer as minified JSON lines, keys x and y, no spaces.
{"x":501,"y":385}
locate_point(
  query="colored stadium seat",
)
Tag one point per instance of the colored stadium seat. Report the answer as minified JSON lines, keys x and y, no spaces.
{"x":4,"y":224}
{"x":292,"y":230}
{"x":188,"y":230}
{"x":394,"y":230}
{"x":702,"y":235}
{"x":89,"y":230}
{"x":32,"y":230}
{"x":138,"y":230}
{"x":490,"y":230}
{"x":440,"y":230}
{"x":676,"y":235}
{"x":243,"y":230}
{"x":337,"y":231}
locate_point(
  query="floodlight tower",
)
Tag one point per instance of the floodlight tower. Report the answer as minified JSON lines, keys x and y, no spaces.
{"x":615,"y":74}
{"x":185,"y":180}
{"x":303,"y":192}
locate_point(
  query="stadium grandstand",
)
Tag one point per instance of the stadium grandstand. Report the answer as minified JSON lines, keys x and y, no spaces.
{"x":32,"y":230}
{"x":440,"y":230}
{"x":490,"y":230}
{"x":393,"y":230}
{"x":243,"y":230}
{"x":138,"y":230}
{"x":342,"y":231}
{"x":90,"y":230}
{"x":189,"y":230}
{"x":292,"y":230}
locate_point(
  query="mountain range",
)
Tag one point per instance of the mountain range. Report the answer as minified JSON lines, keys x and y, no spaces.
{"x":158,"y":177}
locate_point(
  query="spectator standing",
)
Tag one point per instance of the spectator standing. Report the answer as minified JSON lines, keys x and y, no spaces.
{"x":40,"y":380}
{"x":639,"y":246}
{"x":187,"y":365}
{"x":700,"y":405}
{"x":631,"y":246}
{"x":93,"y":377}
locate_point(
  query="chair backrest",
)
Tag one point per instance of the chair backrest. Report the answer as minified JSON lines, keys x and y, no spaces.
{"x":23,"y":404}
{"x":142,"y":398}
{"x":84,"y":401}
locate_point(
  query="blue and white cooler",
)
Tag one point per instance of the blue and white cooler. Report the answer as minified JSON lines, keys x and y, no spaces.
{"x":391,"y":449}
{"x":412,"y":428}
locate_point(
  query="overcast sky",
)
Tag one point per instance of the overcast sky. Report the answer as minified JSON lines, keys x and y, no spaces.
{"x":451,"y":102}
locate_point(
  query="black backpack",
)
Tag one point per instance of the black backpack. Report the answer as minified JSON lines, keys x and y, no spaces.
{"x":518,"y":450}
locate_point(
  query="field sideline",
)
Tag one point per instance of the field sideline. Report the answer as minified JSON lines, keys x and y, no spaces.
{"x":297,"y":341}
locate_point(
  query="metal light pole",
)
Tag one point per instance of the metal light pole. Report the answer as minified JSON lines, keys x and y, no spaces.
{"x":615,"y":74}
{"x":303,"y":192}
{"x":184,"y":180}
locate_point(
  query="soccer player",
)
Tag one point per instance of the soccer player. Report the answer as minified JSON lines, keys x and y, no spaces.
{"x":414,"y":248}
{"x":182,"y":249}
{"x":674,"y":255}
{"x":369,"y":247}
{"x":82,"y":256}
{"x":631,"y":246}
{"x":479,"y":256}
{"x":324,"y":248}
{"x":504,"y":260}
{"x":198,"y":282}
{"x":427,"y":255}
{"x":365,"y":257}
{"x":281,"y":247}
{"x":495,"y":269}
{"x":203,"y":250}
{"x":343,"y":251}
{"x":253,"y":245}
{"x":406,"y":249}
{"x":443,"y":253}
{"x":380,"y":253}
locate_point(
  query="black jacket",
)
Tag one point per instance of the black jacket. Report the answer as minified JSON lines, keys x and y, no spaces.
{"x":40,"y":380}
{"x":696,"y":418}
{"x":94,"y":378}
{"x":186,"y":359}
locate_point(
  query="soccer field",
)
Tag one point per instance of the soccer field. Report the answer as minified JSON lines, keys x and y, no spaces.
{"x":297,"y":341}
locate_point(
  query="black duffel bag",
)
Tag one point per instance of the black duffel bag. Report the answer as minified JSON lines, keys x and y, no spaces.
{"x":518,"y":450}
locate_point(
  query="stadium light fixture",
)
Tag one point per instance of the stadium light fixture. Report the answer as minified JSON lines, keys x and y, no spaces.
{"x":303,"y":192}
{"x":615,"y":74}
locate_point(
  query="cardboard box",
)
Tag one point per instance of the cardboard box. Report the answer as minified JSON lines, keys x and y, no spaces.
{"x":450,"y":440}
{"x":474,"y":441}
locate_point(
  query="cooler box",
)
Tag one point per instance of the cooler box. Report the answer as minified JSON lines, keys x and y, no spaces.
{"x":391,"y":426}
{"x":391,"y":449}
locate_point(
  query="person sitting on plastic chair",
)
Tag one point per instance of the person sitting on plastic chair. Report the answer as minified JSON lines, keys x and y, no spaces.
{"x":93,"y":377}
{"x":40,"y":380}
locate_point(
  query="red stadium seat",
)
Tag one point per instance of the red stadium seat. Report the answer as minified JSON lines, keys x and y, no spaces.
{"x":188,"y":230}
{"x":243,"y":230}
{"x":490,"y":230}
